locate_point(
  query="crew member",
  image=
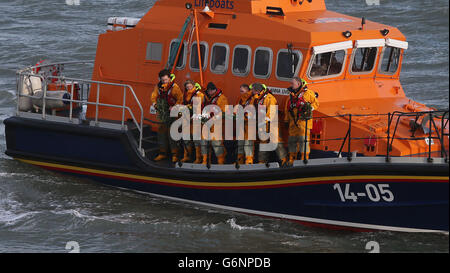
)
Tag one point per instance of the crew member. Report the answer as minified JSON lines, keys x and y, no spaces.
{"x":214,"y":96}
{"x":263,"y":96}
{"x":166,"y":95}
{"x":298,"y":115}
{"x":245,"y":146}
{"x":192,"y":90}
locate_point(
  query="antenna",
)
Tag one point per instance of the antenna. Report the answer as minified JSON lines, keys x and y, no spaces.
{"x":363,"y":22}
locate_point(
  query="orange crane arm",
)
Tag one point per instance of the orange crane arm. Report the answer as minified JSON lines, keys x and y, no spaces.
{"x":200,"y":66}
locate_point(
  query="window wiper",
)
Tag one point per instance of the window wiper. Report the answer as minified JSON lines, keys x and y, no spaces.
{"x":329,"y":63}
{"x":390,"y":60}
{"x":364,"y":59}
{"x":292,"y":59}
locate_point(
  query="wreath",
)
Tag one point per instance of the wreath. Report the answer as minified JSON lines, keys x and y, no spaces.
{"x":305,"y":111}
{"x":163,"y":112}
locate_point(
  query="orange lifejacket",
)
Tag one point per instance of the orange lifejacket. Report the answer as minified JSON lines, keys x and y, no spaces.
{"x":213,"y":100}
{"x":189,"y":96}
{"x":260,"y":100}
{"x":297,"y":102}
{"x":246,"y":99}
{"x":166,"y":93}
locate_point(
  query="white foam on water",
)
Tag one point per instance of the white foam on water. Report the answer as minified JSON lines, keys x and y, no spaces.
{"x":126,"y":218}
{"x":209,"y":227}
{"x":3,"y":174}
{"x":9,"y":218}
{"x":295,"y":236}
{"x":234,"y":225}
{"x":291,"y":243}
{"x":11,"y":212}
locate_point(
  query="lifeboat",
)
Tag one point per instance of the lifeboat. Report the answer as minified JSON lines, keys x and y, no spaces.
{"x":379,"y":160}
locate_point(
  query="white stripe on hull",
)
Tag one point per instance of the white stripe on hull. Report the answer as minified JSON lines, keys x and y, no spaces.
{"x":299,"y":218}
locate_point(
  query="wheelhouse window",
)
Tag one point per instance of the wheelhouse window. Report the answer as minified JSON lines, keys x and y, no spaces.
{"x":263,"y":63}
{"x":219,"y":58}
{"x":241,"y":60}
{"x":154,"y":52}
{"x":194,"y":56}
{"x":390,"y":60}
{"x":288,"y":64}
{"x":327,"y":64}
{"x":181,"y":63}
{"x":364,"y":59}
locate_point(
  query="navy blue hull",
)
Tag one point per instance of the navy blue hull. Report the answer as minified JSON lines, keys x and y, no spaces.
{"x":423,"y":207}
{"x":364,"y":196}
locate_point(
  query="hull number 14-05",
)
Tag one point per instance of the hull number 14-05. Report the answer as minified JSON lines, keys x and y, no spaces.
{"x":375,"y":193}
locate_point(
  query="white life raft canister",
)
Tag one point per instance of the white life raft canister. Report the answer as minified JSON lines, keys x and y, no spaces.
{"x":30,"y":85}
{"x":121,"y":23}
{"x":55,"y":100}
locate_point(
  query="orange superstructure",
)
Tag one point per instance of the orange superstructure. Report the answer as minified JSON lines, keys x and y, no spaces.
{"x":353,"y":64}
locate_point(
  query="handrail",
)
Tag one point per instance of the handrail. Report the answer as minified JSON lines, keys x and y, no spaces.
{"x":81,"y":101}
{"x":27,"y":72}
{"x":431,"y":121}
{"x":106,"y":83}
{"x":390,"y":137}
{"x":440,"y":134}
{"x":443,"y":125}
{"x":54,"y":64}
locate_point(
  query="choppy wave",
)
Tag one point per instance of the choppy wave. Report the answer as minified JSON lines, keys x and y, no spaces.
{"x":234,"y":225}
{"x":124,"y":218}
{"x":11,"y":210}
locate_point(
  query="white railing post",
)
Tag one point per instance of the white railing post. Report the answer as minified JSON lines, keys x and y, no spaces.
{"x":124,"y":103}
{"x":19,"y":91}
{"x":71,"y":104}
{"x":44,"y":96}
{"x":141,"y":123}
{"x":96,"y":105}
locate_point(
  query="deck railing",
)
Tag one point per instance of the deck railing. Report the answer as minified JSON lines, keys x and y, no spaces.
{"x":346,"y":143}
{"x":430,"y":117}
{"x":85,"y":88}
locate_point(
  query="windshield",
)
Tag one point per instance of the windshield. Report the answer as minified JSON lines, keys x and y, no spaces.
{"x":390,"y":61}
{"x":364,"y":59}
{"x":327,"y":64}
